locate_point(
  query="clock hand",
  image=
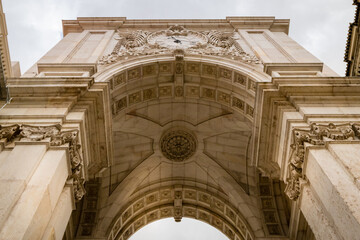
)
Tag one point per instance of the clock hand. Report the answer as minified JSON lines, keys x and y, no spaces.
{"x":176,"y":40}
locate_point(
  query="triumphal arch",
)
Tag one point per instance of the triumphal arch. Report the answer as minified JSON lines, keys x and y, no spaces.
{"x":230,"y":122}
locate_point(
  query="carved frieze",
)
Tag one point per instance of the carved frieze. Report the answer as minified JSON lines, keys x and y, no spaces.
{"x":318,"y":134}
{"x":37,"y":133}
{"x":177,"y":38}
{"x":56,"y":137}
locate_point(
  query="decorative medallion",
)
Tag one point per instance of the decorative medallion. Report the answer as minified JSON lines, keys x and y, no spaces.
{"x":178,"y":145}
{"x":177,"y":39}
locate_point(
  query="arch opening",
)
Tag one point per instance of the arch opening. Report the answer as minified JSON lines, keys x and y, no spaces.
{"x":178,"y":202}
{"x":187,"y":229}
{"x":213,"y":102}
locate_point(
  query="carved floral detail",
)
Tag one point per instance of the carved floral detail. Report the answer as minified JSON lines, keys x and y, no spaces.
{"x":71,"y":137}
{"x":140,"y":43}
{"x":178,"y":206}
{"x":37,"y":133}
{"x":318,"y":134}
{"x":356,"y":128}
{"x":9,"y":132}
{"x":178,"y":145}
{"x":177,"y":30}
{"x":57,"y":138}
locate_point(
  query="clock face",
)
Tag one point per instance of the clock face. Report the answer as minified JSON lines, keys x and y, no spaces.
{"x":177,"y":41}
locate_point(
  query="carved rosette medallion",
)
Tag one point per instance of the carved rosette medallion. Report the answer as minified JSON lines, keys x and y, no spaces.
{"x":178,"y":145}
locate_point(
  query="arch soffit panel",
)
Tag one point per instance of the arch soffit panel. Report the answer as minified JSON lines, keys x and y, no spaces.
{"x":138,"y":80}
{"x":239,"y":96}
{"x":180,"y":201}
{"x":253,"y":71}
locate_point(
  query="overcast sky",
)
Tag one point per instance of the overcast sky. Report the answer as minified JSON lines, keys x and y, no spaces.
{"x":34,"y":26}
{"x":318,"y":25}
{"x":187,"y":229}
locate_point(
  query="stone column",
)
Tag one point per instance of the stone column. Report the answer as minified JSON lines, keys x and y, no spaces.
{"x":325,"y":179}
{"x":40,"y":178}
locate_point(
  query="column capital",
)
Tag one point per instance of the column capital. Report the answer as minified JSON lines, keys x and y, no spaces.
{"x":315,"y":134}
{"x":56,"y":137}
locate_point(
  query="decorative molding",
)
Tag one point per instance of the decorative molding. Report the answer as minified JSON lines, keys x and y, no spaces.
{"x":56,"y":137}
{"x":318,"y":134}
{"x":71,"y":138}
{"x":173,"y":39}
{"x":269,"y":207}
{"x":219,"y":95}
{"x":180,"y":201}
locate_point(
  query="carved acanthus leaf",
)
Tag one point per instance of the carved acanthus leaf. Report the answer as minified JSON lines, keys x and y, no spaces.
{"x":318,"y":134}
{"x":356,"y":128}
{"x":9,"y":132}
{"x":71,"y":138}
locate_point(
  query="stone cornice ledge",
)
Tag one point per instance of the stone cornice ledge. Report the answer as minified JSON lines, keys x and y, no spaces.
{"x":112,"y":23}
{"x":48,"y":86}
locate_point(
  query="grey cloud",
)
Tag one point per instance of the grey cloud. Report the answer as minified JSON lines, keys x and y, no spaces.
{"x":320,"y":26}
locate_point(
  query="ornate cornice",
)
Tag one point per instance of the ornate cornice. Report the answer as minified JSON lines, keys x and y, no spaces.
{"x":111,"y":23}
{"x":318,"y":134}
{"x":56,"y":137}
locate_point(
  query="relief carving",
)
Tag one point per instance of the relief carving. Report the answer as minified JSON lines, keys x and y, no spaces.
{"x":9,"y":132}
{"x":38,"y":133}
{"x":356,"y":128}
{"x":318,"y":134}
{"x":175,"y":38}
{"x":178,"y":206}
{"x":178,"y":145}
{"x":71,"y":138}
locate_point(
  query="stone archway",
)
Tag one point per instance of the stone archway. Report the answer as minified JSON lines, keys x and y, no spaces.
{"x":206,"y":99}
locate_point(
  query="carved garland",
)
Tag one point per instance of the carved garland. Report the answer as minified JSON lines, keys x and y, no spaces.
{"x":317,"y":135}
{"x":69,"y":138}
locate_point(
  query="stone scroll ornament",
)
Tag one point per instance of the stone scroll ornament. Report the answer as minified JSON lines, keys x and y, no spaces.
{"x":318,"y":134}
{"x":142,"y":43}
{"x":57,"y":137}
